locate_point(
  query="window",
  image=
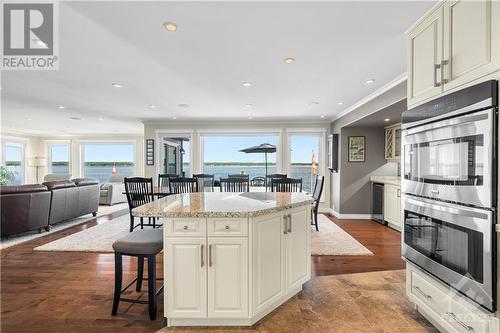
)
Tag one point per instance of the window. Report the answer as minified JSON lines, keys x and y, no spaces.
{"x":14,"y":162}
{"x":59,"y":157}
{"x":306,"y":158}
{"x":222,"y":155}
{"x":175,"y":155}
{"x":101,"y":160}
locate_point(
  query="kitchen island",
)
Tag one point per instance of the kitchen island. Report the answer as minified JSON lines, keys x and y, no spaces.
{"x":231,"y":258}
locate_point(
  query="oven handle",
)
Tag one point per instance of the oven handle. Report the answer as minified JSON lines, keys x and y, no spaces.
{"x":470,"y":212}
{"x":450,"y":122}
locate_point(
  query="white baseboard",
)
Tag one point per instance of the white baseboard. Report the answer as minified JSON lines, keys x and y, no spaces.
{"x":351,"y":216}
{"x":326,"y":210}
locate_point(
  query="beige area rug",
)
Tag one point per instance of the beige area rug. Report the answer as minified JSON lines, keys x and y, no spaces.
{"x":99,"y":238}
{"x":372,"y":302}
{"x":103,"y":210}
{"x":331,"y":240}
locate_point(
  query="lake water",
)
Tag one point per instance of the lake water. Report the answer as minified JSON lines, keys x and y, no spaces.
{"x":102,"y":173}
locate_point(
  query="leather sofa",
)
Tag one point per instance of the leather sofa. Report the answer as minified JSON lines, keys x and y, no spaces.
{"x":73,"y":198}
{"x":24,"y":208}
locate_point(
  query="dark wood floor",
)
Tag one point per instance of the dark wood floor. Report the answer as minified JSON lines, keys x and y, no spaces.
{"x":71,"y":292}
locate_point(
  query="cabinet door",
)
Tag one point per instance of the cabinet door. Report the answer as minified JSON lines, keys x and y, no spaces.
{"x":185,"y":278}
{"x":297,"y":249}
{"x":471,"y":44}
{"x":391,"y":204}
{"x":425,"y":44}
{"x":268,"y":261}
{"x":227,"y":277}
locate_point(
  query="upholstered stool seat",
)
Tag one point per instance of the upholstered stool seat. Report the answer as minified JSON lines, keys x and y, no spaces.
{"x":147,"y":241}
{"x":141,"y":244}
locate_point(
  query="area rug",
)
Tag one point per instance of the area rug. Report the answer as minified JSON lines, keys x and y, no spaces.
{"x":331,"y":240}
{"x":103,"y":210}
{"x":99,"y":238}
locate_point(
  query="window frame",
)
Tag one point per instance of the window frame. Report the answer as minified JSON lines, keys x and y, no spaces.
{"x":52,"y":143}
{"x":105,"y":143}
{"x":19,"y":144}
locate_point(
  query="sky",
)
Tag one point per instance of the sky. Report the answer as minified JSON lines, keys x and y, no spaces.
{"x":217,"y":149}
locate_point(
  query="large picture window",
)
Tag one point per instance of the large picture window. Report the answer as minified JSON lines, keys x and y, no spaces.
{"x":101,"y":160}
{"x":59,"y":157}
{"x":14,"y":162}
{"x":306,"y":158}
{"x":222,"y":155}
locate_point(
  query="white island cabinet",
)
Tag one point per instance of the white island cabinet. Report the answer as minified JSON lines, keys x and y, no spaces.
{"x":232,"y":258}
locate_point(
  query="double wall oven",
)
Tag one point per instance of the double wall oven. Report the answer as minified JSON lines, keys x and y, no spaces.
{"x":449,"y":190}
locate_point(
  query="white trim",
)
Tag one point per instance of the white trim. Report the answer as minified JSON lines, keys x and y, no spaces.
{"x":326,"y":210}
{"x":307,"y":130}
{"x":187,"y":131}
{"x":351,"y":216}
{"x":401,"y":78}
{"x":238,"y":131}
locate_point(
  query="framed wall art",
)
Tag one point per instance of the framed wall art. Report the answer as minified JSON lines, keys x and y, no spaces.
{"x":356,"y":148}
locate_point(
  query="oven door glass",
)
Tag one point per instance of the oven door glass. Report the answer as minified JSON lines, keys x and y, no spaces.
{"x":450,"y":245}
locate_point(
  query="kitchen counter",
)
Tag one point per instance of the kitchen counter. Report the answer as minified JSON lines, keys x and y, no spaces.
{"x":217,"y":204}
{"x":386,"y":180}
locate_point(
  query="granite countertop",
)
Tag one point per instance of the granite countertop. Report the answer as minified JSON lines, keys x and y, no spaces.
{"x":216,"y":204}
{"x":388,"y":180}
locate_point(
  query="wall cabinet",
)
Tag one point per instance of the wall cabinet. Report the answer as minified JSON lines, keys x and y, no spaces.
{"x":233,"y":271}
{"x":393,"y":143}
{"x":392,"y":205}
{"x":456,"y":43}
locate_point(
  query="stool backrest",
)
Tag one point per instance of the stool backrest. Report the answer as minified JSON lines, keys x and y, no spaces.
{"x":204,"y":182}
{"x":286,"y":185}
{"x":234,"y":185}
{"x":163,"y":180}
{"x":273,"y":176}
{"x":182,"y":185}
{"x":139,"y":191}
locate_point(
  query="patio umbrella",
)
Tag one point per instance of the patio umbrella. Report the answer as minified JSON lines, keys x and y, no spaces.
{"x":265,"y":148}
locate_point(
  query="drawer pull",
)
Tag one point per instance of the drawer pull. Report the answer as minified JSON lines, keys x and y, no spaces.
{"x":417,"y":289}
{"x":210,"y":263}
{"x":227,"y":227}
{"x":202,"y":247}
{"x":185,"y":227}
{"x":464,"y":325}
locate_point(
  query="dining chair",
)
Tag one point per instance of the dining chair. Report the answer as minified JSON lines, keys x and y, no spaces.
{"x":273,"y":176}
{"x":286,"y":185}
{"x":204,"y":182}
{"x":318,"y":190}
{"x":139,"y":191}
{"x":163,"y":180}
{"x":239,"y":176}
{"x":234,"y":185}
{"x":182,"y":185}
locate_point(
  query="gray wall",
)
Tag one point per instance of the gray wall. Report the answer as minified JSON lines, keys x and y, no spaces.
{"x":355,"y":187}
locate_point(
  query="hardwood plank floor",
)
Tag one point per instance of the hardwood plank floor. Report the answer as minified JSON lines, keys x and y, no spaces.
{"x":72,"y":291}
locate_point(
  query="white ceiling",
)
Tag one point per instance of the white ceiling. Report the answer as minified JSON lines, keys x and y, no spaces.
{"x":218,"y":46}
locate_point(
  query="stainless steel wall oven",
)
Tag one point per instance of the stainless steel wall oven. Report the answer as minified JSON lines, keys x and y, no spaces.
{"x":449,"y":190}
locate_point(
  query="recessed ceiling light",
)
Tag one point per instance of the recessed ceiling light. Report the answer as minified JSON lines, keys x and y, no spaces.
{"x":101,"y":118}
{"x":387,"y":119}
{"x":248,"y":105}
{"x":75,"y":118}
{"x":174,"y":118}
{"x":247,"y":84}
{"x":289,"y":60}
{"x":29,"y":119}
{"x":370,"y":81}
{"x":322,"y":116}
{"x":314,"y":103}
{"x":182,"y":105}
{"x":116,"y":85}
{"x":60,"y":107}
{"x":170,"y":26}
{"x":340,"y":103}
{"x":250,"y":117}
{"x":151,"y":106}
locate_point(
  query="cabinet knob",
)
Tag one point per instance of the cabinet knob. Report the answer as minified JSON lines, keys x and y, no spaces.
{"x":227,"y":227}
{"x":185,"y":227}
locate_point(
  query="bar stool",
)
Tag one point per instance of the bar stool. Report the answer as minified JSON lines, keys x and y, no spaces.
{"x":142,"y":244}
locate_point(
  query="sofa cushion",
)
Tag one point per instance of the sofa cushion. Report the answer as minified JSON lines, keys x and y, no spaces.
{"x":85,"y":181}
{"x":52,"y":177}
{"x":116,"y":179}
{"x":22,"y":188}
{"x":59,"y":184}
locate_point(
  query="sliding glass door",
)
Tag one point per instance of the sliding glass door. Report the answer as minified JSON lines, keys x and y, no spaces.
{"x":306,"y":158}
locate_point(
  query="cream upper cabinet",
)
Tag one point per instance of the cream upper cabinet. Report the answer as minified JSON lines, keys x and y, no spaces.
{"x":469,"y":48}
{"x":425,"y":45}
{"x":457,"y":43}
{"x":392,"y":151}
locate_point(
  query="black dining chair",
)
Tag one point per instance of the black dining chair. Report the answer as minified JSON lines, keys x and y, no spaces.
{"x":139,"y":191}
{"x":234,"y":185}
{"x":182,"y":185}
{"x":204,"y":182}
{"x":273,"y":176}
{"x":318,"y":190}
{"x":286,"y":185}
{"x":163,"y":181}
{"x":239,"y":176}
